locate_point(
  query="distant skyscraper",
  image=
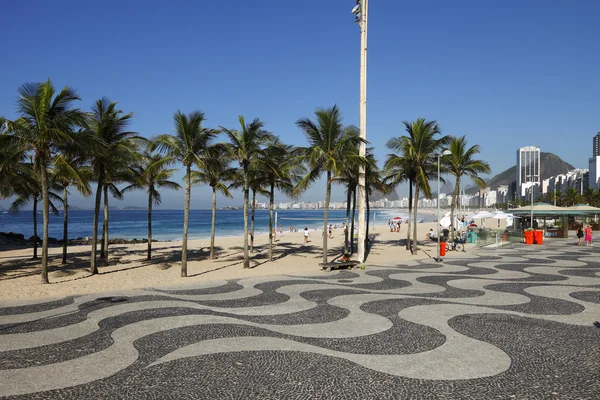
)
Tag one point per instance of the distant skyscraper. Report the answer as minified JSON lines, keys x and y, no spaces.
{"x":528,"y":168}
{"x":596,"y":145}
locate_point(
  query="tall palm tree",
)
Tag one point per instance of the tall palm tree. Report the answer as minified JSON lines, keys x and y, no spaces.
{"x":398,"y":169}
{"x":46,"y":119}
{"x":348,"y":176}
{"x":419,"y":148}
{"x":282,"y":167}
{"x":189,"y":145}
{"x":216,"y":171}
{"x":71,"y":170}
{"x":152,"y":173}
{"x":257,"y":185}
{"x":373,"y":181}
{"x":461,"y":163}
{"x":329,"y":144}
{"x":108,"y":124}
{"x":246,"y":145}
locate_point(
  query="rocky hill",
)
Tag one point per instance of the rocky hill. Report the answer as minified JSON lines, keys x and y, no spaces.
{"x":551,"y":165}
{"x":391,"y":196}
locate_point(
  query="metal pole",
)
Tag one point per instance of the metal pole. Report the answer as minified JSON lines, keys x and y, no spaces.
{"x":531,"y":202}
{"x":438,"y":208}
{"x":362,"y":229}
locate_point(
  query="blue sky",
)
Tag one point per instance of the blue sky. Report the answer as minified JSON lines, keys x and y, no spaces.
{"x":506,"y":74}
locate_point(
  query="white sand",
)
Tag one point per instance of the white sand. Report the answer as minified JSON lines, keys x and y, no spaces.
{"x":128,"y":268}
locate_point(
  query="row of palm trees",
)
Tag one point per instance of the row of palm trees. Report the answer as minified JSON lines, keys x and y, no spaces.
{"x":53,"y":146}
{"x":570,"y":197}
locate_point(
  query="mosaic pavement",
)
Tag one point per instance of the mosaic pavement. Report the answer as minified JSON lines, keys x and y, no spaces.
{"x":510,"y":323}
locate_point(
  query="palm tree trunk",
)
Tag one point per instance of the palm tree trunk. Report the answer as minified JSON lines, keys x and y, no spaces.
{"x":352,"y":221}
{"x":348,"y":201}
{"x":246,"y":193}
{"x":149,"y":227}
{"x":212,"y":224}
{"x":271,"y":206}
{"x":186,"y":216}
{"x":35,"y":235}
{"x":416,"y":203}
{"x":410,"y":200}
{"x":93,"y":265}
{"x":104,"y":250}
{"x":367,"y":223}
{"x":45,"y":211}
{"x":252,"y":221}
{"x":65,"y":224}
{"x":325,"y":215}
{"x":452,"y":207}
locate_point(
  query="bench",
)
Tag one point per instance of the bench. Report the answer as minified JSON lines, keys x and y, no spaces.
{"x":335,"y":265}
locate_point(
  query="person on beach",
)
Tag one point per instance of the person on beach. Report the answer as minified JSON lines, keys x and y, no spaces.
{"x":330,"y":231}
{"x":306,"y":235}
{"x":580,"y":235}
{"x":588,"y":235}
{"x":274,"y":234}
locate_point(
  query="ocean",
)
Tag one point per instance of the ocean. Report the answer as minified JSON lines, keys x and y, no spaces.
{"x":168,"y":224}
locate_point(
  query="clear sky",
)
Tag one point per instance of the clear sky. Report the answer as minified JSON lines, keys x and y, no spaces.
{"x":505,"y":73}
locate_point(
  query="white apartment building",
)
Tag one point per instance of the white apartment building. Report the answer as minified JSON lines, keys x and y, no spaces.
{"x":528,"y":168}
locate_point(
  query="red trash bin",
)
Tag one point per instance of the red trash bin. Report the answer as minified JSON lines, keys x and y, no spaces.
{"x":538,"y":236}
{"x":528,"y":237}
{"x":442,"y":249}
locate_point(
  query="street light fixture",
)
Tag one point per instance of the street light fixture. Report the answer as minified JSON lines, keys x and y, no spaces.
{"x":360,"y":12}
{"x":443,"y":153}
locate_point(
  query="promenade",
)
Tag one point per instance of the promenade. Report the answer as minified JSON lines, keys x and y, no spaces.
{"x":510,"y":323}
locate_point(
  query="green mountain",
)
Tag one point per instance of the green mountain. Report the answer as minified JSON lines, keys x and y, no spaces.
{"x":551,"y":165}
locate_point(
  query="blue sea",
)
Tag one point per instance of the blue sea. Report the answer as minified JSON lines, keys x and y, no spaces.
{"x":168,"y":224}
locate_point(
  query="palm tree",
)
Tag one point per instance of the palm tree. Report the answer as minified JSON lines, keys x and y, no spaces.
{"x":281,"y":166}
{"x":29,"y":189}
{"x":117,"y":173}
{"x":12,"y":160}
{"x":46,"y":120}
{"x":217,"y":173}
{"x":462,"y":163}
{"x":589,"y":196}
{"x":398,"y":169}
{"x":246,"y":145}
{"x":71,"y":170}
{"x":348,"y":176}
{"x":419,"y":149}
{"x":373,"y":181}
{"x":572,"y":197}
{"x":152,"y":173}
{"x":108,"y":124}
{"x":189,"y":146}
{"x":329,"y":144}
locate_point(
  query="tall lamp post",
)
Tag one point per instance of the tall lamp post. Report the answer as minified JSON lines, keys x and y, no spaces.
{"x":531,"y":187}
{"x":443,"y":153}
{"x":360,"y":12}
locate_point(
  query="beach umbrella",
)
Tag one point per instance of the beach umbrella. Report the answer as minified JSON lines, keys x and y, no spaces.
{"x":397,"y":219}
{"x":446,"y":221}
{"x":482,"y":214}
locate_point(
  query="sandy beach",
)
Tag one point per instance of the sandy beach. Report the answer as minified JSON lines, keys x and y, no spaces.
{"x":129,"y":269}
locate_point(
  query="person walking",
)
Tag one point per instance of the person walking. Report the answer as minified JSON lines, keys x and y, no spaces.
{"x":580,"y":235}
{"x":306,"y":235}
{"x":588,"y":235}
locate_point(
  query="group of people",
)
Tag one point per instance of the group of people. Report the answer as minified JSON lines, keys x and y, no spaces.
{"x":585,"y":233}
{"x":395,"y":225}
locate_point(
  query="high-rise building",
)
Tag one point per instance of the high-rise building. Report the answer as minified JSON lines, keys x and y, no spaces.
{"x":594,"y":164}
{"x":596,"y":145}
{"x":528,"y":168}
